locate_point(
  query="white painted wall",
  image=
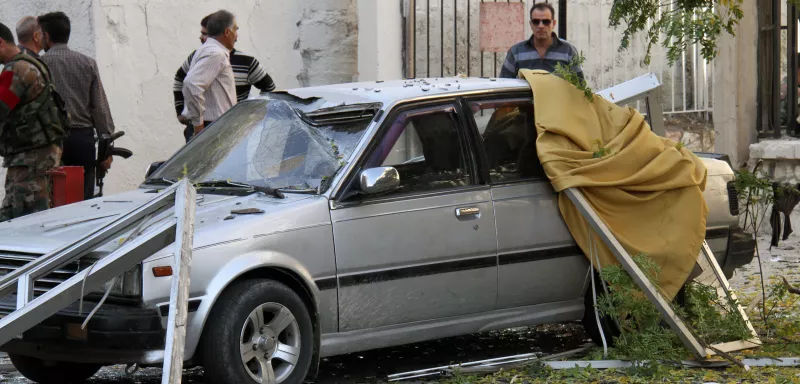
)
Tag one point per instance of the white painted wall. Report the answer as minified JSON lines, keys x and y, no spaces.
{"x":736,"y":89}
{"x":140,"y":44}
{"x":380,"y":42}
{"x":79,"y":12}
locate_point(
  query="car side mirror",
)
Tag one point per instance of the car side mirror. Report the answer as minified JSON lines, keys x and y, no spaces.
{"x":379,"y":180}
{"x":152,"y":168}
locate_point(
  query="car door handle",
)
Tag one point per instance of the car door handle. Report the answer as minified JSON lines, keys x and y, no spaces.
{"x":468,"y":212}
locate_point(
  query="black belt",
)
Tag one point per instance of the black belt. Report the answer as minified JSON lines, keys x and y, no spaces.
{"x":80,"y":131}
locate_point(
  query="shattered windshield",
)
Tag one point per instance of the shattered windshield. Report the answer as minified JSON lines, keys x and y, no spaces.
{"x":266,"y":143}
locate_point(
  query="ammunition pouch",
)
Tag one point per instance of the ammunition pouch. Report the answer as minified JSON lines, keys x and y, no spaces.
{"x":39,"y":122}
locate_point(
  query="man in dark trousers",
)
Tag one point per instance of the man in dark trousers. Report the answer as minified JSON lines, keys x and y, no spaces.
{"x":30,"y":136}
{"x":77,"y":79}
{"x":247,"y":71}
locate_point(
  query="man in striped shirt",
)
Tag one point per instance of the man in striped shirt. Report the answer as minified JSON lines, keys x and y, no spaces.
{"x":247,"y":72}
{"x":544,"y":50}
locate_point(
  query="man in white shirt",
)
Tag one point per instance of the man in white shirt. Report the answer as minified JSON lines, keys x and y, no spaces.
{"x":209,"y":89}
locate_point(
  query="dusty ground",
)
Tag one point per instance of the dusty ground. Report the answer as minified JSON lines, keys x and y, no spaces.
{"x":783,"y":260}
{"x":373,"y":366}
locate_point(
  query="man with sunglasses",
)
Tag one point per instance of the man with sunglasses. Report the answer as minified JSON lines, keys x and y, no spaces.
{"x":544,"y":50}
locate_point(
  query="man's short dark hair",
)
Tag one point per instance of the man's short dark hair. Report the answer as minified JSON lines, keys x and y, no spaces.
{"x":204,"y":22}
{"x":57,"y":25}
{"x":543,"y":7}
{"x":218,"y":22}
{"x":5,"y":34}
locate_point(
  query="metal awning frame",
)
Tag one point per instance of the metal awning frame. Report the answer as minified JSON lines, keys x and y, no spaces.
{"x":177,"y":230}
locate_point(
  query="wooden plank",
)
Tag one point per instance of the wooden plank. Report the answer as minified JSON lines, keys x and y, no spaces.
{"x":735,"y":346}
{"x":179,"y":294}
{"x":726,"y":286}
{"x":633,"y":270}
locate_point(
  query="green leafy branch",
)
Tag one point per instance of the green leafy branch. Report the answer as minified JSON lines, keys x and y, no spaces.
{"x":643,"y":335}
{"x":568,"y":73}
{"x":756,"y":194}
{"x":676,"y":24}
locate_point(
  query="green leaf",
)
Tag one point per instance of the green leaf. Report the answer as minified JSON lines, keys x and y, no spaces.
{"x":678,"y":23}
{"x":567,"y":73}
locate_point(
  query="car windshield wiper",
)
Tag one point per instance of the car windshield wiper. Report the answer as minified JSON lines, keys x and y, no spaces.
{"x":231,"y":184}
{"x":161,"y":181}
{"x":303,"y":188}
{"x":307,"y":191}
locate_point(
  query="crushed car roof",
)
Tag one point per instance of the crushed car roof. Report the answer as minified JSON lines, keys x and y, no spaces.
{"x":395,"y":90}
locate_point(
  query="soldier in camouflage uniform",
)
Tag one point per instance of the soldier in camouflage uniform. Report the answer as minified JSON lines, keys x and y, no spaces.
{"x":32,"y":118}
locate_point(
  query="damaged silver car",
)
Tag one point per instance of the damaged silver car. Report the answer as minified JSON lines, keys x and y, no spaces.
{"x":332,"y":220}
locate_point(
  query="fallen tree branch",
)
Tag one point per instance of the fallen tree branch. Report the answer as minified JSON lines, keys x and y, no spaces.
{"x":790,"y":287}
{"x":729,"y":357}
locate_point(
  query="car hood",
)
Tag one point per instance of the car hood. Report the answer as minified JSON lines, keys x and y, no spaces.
{"x":46,"y":231}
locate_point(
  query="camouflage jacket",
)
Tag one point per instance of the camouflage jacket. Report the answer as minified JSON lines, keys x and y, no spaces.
{"x":20,"y":83}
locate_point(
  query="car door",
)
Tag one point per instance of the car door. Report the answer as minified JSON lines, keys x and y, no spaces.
{"x":428,"y":249}
{"x":539,"y":262}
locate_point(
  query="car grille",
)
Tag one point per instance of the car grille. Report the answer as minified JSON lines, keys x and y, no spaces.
{"x":10,"y":261}
{"x":733,"y":198}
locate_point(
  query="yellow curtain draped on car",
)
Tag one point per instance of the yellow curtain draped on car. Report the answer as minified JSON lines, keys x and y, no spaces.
{"x":646,"y":189}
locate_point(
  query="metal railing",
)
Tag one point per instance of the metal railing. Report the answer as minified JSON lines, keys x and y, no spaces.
{"x":441,"y":38}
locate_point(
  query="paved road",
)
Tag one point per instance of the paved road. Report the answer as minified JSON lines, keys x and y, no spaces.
{"x":375,"y":365}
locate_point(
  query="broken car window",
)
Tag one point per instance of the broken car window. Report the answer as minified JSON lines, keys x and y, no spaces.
{"x":266,"y":143}
{"x":425,"y":148}
{"x":509,"y":138}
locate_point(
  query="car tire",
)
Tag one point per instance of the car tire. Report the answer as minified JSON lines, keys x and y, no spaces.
{"x":610,"y":328}
{"x":53,"y":372}
{"x":281,"y":337}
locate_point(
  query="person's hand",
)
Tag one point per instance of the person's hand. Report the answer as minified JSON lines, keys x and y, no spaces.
{"x":183,"y":119}
{"x":106,"y":164}
{"x":198,"y":128}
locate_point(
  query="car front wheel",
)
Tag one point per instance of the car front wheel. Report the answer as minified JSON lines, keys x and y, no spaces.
{"x":47,"y":372}
{"x":258,"y":332}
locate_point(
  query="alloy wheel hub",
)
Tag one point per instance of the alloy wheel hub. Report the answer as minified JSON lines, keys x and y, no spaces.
{"x":266,"y":344}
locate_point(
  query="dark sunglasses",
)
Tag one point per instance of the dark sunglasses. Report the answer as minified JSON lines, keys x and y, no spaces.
{"x":546,"y":22}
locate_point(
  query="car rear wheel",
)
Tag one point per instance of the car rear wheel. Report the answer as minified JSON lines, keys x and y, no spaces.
{"x":46,"y":372}
{"x":259,"y":332}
